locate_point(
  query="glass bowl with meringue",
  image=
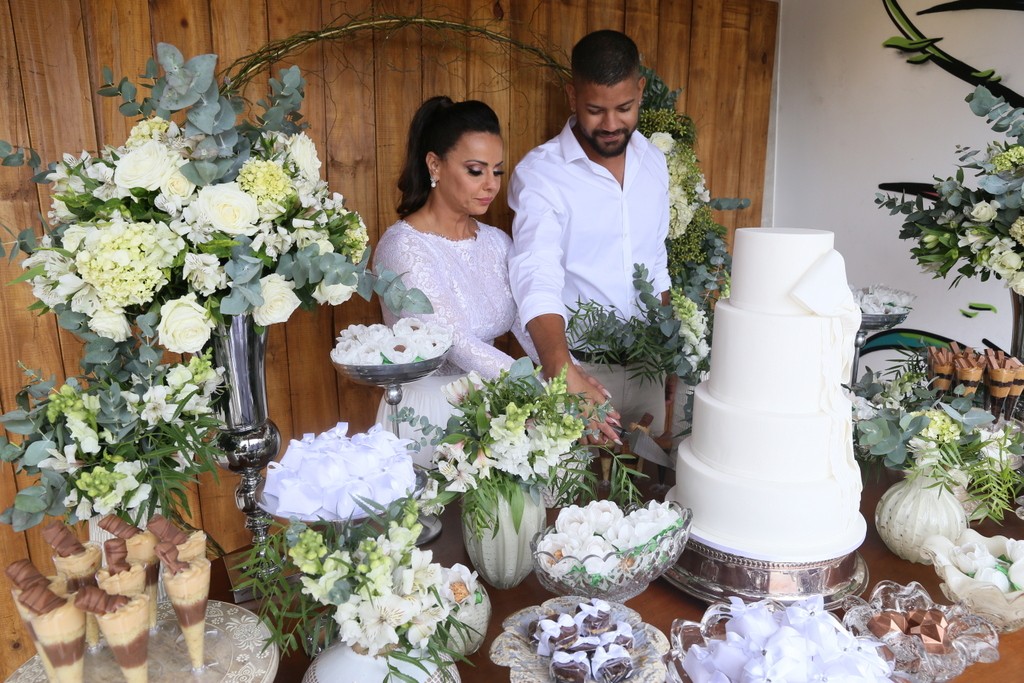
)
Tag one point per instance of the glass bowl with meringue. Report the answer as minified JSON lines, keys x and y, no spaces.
{"x":602,"y":551}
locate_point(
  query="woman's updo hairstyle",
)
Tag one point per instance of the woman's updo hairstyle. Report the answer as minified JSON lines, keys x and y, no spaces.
{"x":437,"y":126}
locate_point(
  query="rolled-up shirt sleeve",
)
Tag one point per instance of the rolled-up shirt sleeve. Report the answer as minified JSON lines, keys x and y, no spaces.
{"x":536,"y":274}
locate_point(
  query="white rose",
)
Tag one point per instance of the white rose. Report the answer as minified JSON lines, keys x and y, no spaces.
{"x":228,"y":208}
{"x":110,"y":323}
{"x":1007,"y":263}
{"x":303,"y":152}
{"x":177,"y":186}
{"x":983,"y":212}
{"x":147,"y":166}
{"x":279,"y":300}
{"x":333,"y":294}
{"x":663,"y":141}
{"x":185,"y":326}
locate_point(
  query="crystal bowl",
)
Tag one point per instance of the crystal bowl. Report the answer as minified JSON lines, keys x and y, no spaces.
{"x":394,"y":373}
{"x":627,"y":572}
{"x":515,"y":648}
{"x":801,"y":641}
{"x":939,"y":648}
{"x":1004,"y":610}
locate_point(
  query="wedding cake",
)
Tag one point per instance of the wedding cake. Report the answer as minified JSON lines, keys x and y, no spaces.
{"x":768,"y":469}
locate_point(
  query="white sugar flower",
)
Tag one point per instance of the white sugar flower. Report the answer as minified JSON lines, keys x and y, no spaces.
{"x":993,"y":576}
{"x":970,"y":558}
{"x":602,"y":514}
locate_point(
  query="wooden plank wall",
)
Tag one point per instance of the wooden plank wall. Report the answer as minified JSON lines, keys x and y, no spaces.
{"x":360,"y":97}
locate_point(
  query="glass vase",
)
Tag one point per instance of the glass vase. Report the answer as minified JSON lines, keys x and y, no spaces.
{"x":913,"y":510}
{"x":501,"y":555}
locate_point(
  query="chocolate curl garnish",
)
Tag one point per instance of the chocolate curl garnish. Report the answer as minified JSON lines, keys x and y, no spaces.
{"x":168,"y":554}
{"x":117,"y":526}
{"x":92,"y":599}
{"x":62,"y":539}
{"x":39,"y":599}
{"x":167,"y":531}
{"x":23,"y":574}
{"x":116,"y":550}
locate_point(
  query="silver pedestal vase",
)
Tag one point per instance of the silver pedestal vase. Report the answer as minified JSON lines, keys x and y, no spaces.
{"x":249,"y":440}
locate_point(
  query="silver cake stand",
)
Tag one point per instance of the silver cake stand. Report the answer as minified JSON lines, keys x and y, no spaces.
{"x":872,"y":322}
{"x":711,"y":575}
{"x":391,"y":378}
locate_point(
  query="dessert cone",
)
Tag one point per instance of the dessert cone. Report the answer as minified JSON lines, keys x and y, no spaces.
{"x":26,"y":617}
{"x":969,"y":377}
{"x":189,"y":591}
{"x":141,"y":550}
{"x":193,"y":548}
{"x":61,"y":635}
{"x":127,"y":634}
{"x":77,"y":563}
{"x":999,"y":381}
{"x":129,"y":583}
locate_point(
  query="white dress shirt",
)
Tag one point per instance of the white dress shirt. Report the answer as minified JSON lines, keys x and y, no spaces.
{"x":577,"y":232}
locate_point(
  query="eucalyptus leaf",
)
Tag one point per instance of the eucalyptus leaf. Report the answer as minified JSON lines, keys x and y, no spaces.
{"x":31,"y":500}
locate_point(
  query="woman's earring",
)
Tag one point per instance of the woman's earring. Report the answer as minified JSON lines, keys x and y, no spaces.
{"x":433,"y":181}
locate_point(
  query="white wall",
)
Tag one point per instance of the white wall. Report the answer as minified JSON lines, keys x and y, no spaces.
{"x":851,"y":114}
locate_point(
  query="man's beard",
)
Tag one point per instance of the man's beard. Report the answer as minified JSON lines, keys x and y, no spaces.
{"x":602,"y":148}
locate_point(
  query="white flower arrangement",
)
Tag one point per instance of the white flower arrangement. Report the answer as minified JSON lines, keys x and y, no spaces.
{"x":195,"y":221}
{"x":883,"y":300}
{"x":324,"y":476}
{"x":409,"y":341}
{"x":367,"y":586}
{"x":103,"y":446}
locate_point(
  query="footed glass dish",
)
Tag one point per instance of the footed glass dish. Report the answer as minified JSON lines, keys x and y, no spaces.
{"x":616,"y":576}
{"x":930,"y":642}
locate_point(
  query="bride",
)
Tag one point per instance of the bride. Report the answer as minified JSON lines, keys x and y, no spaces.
{"x":452,"y":173}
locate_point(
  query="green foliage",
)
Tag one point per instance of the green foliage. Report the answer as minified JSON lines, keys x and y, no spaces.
{"x":656,"y":94}
{"x":651,"y":344}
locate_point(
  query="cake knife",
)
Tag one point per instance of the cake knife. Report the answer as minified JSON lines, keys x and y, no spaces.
{"x":644,"y":446}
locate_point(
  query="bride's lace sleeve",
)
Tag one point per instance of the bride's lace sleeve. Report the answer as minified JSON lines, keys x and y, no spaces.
{"x":424,"y":269}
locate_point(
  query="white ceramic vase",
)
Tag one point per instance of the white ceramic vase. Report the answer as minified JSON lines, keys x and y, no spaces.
{"x":476,"y":616}
{"x":502,"y":555}
{"x":913,"y":510}
{"x":341,"y":664}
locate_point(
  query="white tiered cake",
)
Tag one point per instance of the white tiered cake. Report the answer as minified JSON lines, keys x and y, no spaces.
{"x":769,"y":470}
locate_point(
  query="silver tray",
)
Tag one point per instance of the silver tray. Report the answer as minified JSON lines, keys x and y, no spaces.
{"x":711,"y":575}
{"x":397,"y":373}
{"x":234,"y":652}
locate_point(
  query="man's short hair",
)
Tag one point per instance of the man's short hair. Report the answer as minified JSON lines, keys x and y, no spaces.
{"x":605,"y":58}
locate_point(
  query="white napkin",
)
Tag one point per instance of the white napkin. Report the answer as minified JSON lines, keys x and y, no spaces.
{"x":322,"y":476}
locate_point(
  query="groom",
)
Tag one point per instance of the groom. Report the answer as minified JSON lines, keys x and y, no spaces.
{"x":589,"y":204}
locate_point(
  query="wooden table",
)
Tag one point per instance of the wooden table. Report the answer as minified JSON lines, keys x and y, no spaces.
{"x":662,"y":603}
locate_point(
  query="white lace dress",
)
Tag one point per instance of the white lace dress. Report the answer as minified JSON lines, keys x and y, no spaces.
{"x":467,"y":284}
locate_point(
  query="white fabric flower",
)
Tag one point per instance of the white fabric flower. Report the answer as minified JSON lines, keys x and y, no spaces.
{"x":185,"y":326}
{"x":603,"y":514}
{"x":228,"y":208}
{"x":1016,"y":574}
{"x":573,"y":520}
{"x":279,"y":300}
